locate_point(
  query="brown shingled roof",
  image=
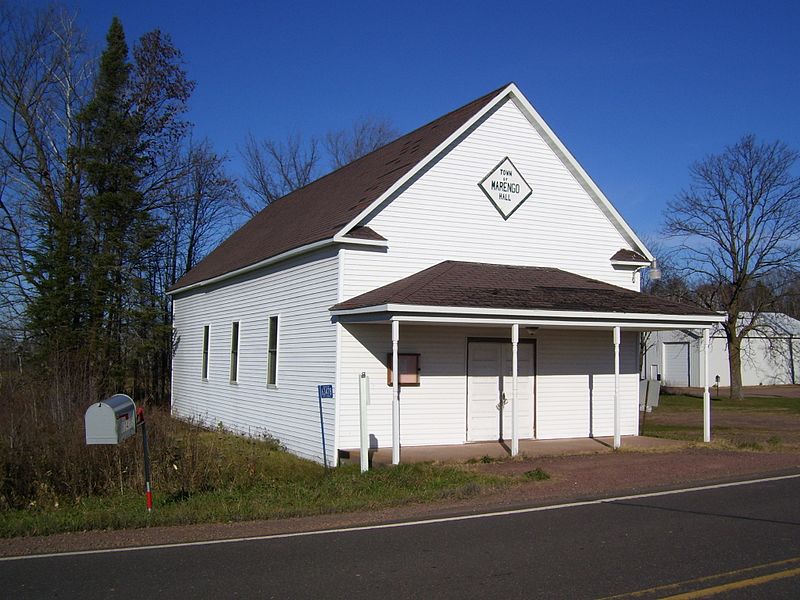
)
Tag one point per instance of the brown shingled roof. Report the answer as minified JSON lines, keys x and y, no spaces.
{"x":478,"y":285}
{"x":628,"y":256}
{"x":364,"y":233}
{"x":321,"y":209}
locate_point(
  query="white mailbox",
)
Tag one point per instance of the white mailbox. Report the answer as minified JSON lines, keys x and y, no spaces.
{"x":110,"y":421}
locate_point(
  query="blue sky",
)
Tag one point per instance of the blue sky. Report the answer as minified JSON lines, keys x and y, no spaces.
{"x":636,"y":90}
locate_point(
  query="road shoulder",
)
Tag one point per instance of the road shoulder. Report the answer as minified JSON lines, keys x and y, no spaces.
{"x":573,"y":478}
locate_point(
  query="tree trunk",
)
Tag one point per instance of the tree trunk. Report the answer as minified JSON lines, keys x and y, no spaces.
{"x":735,"y":363}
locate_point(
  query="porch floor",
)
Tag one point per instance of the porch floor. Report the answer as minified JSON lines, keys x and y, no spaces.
{"x":529,"y":448}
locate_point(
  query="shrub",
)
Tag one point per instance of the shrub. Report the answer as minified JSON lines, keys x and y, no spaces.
{"x":44,"y":460}
{"x":537,"y":475}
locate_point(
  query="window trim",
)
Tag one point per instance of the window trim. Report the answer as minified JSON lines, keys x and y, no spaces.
{"x":234,"y":366}
{"x":276,"y":351}
{"x":205,"y":357}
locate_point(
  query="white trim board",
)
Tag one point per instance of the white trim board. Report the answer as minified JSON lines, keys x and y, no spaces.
{"x":529,"y":314}
{"x":336,"y":240}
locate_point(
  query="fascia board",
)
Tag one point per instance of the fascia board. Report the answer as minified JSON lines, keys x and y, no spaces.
{"x":343,"y":239}
{"x":583,"y":177}
{"x":255,"y":266}
{"x":630,"y":263}
{"x":283,"y":256}
{"x":425,"y":161}
{"x":551,"y":314}
{"x":549,"y":323}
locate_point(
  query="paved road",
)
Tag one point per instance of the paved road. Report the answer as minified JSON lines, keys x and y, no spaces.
{"x":743,"y":541}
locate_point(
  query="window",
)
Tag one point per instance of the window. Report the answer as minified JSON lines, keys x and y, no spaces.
{"x":205,"y":351}
{"x":272,"y":352}
{"x":408,"y":365}
{"x":234,"y":351}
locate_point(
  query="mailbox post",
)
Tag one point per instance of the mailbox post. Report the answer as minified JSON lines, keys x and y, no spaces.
{"x":148,"y":493}
{"x":114,"y":420}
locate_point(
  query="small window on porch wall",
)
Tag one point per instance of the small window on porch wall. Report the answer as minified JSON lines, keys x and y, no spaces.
{"x":408,"y":364}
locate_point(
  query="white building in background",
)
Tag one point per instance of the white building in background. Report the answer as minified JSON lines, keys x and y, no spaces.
{"x":770,"y":354}
{"x":469,"y":254}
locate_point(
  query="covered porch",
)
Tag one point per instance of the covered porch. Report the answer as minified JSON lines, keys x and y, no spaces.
{"x":558,"y":339}
{"x":476,"y":451}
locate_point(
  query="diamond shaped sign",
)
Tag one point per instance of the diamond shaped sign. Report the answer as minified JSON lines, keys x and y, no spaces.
{"x":505,"y":187}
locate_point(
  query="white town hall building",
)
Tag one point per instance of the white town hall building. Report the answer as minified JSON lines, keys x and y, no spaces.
{"x":470,"y":254}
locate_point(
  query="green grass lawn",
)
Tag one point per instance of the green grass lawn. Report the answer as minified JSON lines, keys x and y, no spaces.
{"x":766,"y":404}
{"x":257,"y":481}
{"x":739,"y":433}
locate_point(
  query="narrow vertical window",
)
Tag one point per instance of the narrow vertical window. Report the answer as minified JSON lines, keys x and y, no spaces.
{"x":272,"y":352}
{"x":234,"y":351}
{"x":205,"y":352}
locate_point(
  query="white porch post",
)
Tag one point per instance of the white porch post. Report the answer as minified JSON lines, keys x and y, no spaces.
{"x":395,"y":394}
{"x":363,"y":401}
{"x":706,"y":394}
{"x":617,"y":439}
{"x":514,"y":398}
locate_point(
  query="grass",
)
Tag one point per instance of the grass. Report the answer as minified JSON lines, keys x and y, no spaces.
{"x":751,"y":403}
{"x":689,"y":433}
{"x":255,"y":480}
{"x":742,"y":436}
{"x":485,"y":460}
{"x":536,"y":475}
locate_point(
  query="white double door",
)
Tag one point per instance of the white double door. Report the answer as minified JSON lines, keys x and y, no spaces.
{"x":489,"y":390}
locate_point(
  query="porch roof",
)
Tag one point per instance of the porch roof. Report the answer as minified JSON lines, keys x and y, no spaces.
{"x":520,"y":292}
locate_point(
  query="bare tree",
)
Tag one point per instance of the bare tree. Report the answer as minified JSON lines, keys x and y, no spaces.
{"x":274,"y":169}
{"x":200,"y":210}
{"x":366,"y":134}
{"x":739,"y":224}
{"x":673,"y":284}
{"x":45,"y":80}
{"x":786,"y":287}
{"x":160,"y":90}
{"x":50,"y":221}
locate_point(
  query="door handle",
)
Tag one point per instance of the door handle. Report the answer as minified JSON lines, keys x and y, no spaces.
{"x":503,"y":401}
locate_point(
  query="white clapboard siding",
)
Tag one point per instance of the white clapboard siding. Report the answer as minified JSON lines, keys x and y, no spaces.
{"x":575,"y":384}
{"x":435,"y":412}
{"x":444,"y":215}
{"x":300,"y":291}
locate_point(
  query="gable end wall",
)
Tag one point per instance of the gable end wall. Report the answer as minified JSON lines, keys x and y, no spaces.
{"x":444,"y":215}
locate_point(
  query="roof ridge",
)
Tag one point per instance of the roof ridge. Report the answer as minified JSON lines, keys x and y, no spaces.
{"x":397,"y":139}
{"x":446,"y":267}
{"x":436,"y":271}
{"x":318,"y":211}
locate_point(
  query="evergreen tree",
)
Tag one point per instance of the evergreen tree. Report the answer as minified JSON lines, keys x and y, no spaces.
{"x":120,"y":229}
{"x":104,"y":199}
{"x":56,"y":313}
